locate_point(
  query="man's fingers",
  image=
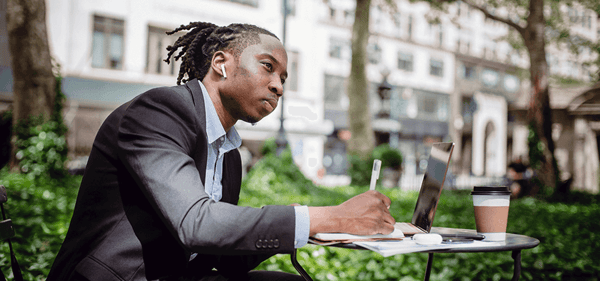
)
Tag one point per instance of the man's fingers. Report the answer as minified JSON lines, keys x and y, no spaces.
{"x":387,"y":228}
{"x":387,"y":201}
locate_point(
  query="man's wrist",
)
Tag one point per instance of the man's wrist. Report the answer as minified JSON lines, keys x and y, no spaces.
{"x":323,"y":220}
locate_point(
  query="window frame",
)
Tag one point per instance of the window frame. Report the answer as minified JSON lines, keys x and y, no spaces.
{"x":107,"y":27}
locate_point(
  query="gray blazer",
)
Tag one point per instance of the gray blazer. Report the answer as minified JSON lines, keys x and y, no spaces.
{"x":142,"y":210}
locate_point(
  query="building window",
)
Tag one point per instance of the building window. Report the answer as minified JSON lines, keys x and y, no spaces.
{"x":463,"y":9}
{"x":107,"y":43}
{"x":291,"y":7}
{"x":440,"y":35}
{"x":431,"y":105}
{"x":511,"y":83}
{"x":468,"y":72}
{"x":489,"y":77}
{"x":348,"y":17}
{"x":410,"y":26}
{"x":335,"y":92}
{"x":428,"y":105}
{"x":469,"y":107}
{"x":253,"y":3}
{"x":374,"y":53}
{"x":573,"y":14}
{"x":339,"y":48}
{"x":405,"y":61}
{"x":397,"y":17}
{"x":331,"y":14}
{"x":436,"y":68}
{"x":291,"y":84}
{"x":158,"y":41}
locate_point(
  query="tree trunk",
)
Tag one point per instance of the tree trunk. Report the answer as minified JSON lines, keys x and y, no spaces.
{"x":539,"y":112}
{"x":362,"y":141}
{"x":33,"y":91}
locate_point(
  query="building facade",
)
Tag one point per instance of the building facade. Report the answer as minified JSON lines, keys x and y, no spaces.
{"x":452,"y":79}
{"x":411,"y":71}
{"x":111,"y":51}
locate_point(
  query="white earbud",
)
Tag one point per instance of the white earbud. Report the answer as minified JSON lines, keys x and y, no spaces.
{"x":223,"y":69}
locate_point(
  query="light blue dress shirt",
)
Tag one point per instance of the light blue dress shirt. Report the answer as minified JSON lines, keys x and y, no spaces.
{"x":221,"y":142}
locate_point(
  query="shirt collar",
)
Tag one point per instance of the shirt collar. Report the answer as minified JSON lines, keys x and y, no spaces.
{"x":214,"y":128}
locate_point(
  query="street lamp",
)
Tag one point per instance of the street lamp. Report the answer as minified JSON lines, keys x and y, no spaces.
{"x":281,"y":141}
{"x":384,"y":94}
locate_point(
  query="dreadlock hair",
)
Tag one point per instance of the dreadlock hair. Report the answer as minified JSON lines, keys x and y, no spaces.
{"x":203,"y":39}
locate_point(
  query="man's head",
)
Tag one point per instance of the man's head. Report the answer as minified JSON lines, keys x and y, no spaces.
{"x":203,"y":39}
{"x":254,"y":60}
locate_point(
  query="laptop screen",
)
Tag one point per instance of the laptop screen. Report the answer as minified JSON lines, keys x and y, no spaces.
{"x":431,"y":187}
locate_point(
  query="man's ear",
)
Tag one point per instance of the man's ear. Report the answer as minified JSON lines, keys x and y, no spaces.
{"x":218,"y":62}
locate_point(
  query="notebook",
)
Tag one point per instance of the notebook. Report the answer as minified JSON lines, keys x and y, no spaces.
{"x":429,"y":195}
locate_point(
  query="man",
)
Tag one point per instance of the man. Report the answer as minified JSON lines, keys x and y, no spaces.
{"x":158,"y":197}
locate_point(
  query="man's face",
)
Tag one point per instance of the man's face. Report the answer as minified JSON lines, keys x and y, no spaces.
{"x":256,"y":83}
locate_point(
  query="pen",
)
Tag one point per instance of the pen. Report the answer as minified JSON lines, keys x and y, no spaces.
{"x":375,"y":173}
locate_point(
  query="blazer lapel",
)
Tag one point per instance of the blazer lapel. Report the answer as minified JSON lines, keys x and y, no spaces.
{"x":199,"y":154}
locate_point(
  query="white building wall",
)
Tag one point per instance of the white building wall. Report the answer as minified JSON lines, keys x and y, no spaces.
{"x":70,"y":28}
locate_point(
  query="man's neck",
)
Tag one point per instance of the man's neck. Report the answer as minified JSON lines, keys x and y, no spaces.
{"x":227,"y":121}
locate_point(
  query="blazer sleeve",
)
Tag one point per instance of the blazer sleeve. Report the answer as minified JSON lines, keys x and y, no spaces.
{"x":156,"y":136}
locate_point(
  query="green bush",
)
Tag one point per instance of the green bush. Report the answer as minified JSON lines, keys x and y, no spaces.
{"x":568,"y":235}
{"x":270,"y":147}
{"x":568,"y":232}
{"x":41,"y":148}
{"x":390,"y":157}
{"x":360,"y":169}
{"x":41,"y":210}
{"x":41,"y":145}
{"x":5,"y":134}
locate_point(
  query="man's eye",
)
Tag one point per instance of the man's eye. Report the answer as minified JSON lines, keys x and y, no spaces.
{"x":268,"y":65}
{"x":282,"y":81}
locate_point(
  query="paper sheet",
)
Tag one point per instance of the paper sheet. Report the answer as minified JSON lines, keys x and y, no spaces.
{"x":390,"y":248}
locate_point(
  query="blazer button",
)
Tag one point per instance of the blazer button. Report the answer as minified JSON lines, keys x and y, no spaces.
{"x":276,"y":243}
{"x":259,"y":244}
{"x":270,"y":244}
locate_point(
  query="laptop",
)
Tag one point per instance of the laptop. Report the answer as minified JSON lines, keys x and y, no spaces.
{"x":431,"y":190}
{"x":429,"y":196}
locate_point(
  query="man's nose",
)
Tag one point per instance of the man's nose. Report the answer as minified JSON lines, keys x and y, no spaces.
{"x":276,"y":87}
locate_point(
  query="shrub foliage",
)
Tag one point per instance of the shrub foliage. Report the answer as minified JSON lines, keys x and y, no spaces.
{"x":41,"y":210}
{"x":568,"y":232}
{"x":360,"y":169}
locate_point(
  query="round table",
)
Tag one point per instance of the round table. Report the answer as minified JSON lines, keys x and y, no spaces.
{"x":514,"y":243}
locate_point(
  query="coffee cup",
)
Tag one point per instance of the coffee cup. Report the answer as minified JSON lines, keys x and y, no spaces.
{"x":491,"y":205}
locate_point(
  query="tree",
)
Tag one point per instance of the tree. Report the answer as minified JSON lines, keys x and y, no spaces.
{"x":362,"y":141}
{"x":536,"y":19}
{"x":34,"y":82}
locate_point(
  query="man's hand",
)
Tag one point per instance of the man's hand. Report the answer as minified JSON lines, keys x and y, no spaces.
{"x":364,"y":214}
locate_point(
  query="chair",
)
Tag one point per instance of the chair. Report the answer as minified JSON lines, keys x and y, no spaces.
{"x":7,"y":232}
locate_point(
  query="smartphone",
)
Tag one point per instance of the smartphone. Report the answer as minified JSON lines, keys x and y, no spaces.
{"x":457,"y":240}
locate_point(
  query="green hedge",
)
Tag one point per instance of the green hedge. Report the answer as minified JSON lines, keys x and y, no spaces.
{"x":40,"y":210}
{"x":568,"y":232}
{"x":569,"y":248}
{"x":361,"y":169}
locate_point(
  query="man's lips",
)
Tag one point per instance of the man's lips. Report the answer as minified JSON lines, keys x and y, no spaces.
{"x":271,"y":102}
